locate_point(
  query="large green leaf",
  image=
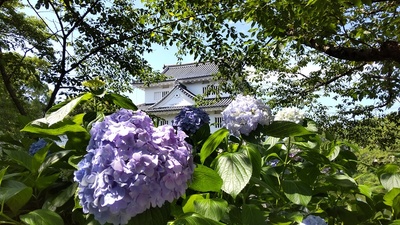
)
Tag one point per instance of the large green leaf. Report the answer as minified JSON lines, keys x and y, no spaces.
{"x":205,"y":179}
{"x":58,"y":115}
{"x":235,"y":169}
{"x":254,"y":154}
{"x":194,"y":219}
{"x":342,"y":180}
{"x":215,"y":209}
{"x":330,"y":150}
{"x":297,"y":192}
{"x":152,"y":216}
{"x":56,"y":130}
{"x":122,"y":101}
{"x":212,"y":143}
{"x":22,"y":158}
{"x":189,"y":204}
{"x":251,"y":215}
{"x":42,"y":217}
{"x":43,"y":182}
{"x":281,"y":129}
{"x":15,"y":194}
{"x":2,"y":172}
{"x":271,"y":141}
{"x":60,"y":199}
{"x":390,"y":196}
{"x":389,"y":175}
{"x":53,"y":158}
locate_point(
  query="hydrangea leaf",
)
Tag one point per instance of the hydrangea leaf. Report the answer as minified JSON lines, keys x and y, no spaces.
{"x":15,"y":194}
{"x":61,"y":198}
{"x":2,"y":172}
{"x":121,"y":101}
{"x":342,"y":180}
{"x":271,"y":141}
{"x":390,"y":196}
{"x":212,"y":143}
{"x":56,"y":130}
{"x":152,"y":216}
{"x":215,"y":209}
{"x":22,"y":158}
{"x":389,"y":176}
{"x":235,"y":169}
{"x":330,"y":150}
{"x":251,"y":214}
{"x":189,"y":205}
{"x":283,"y":129}
{"x":194,"y":218}
{"x":297,"y":192}
{"x":205,"y":179}
{"x":42,"y":217}
{"x":59,"y":113}
{"x":53,"y":158}
{"x":254,"y":154}
{"x":365,"y":190}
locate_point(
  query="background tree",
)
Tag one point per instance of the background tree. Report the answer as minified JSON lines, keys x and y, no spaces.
{"x":353,"y":47}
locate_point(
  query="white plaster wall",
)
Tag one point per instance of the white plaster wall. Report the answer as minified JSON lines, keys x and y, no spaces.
{"x":149,"y":93}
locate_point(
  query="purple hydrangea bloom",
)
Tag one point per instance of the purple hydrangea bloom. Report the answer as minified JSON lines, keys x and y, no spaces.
{"x":244,"y":114}
{"x":190,"y":119}
{"x":313,"y":220}
{"x":35,"y":147}
{"x":131,"y":166}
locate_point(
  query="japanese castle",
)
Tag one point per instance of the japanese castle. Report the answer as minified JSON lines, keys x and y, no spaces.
{"x":165,"y":99}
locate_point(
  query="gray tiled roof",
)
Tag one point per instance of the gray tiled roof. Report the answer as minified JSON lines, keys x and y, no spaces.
{"x":190,"y":70}
{"x":212,"y":103}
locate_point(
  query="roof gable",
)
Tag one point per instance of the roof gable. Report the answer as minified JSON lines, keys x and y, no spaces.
{"x":178,"y":96}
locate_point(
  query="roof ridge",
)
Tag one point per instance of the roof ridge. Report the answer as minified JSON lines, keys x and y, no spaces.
{"x":179,"y":86}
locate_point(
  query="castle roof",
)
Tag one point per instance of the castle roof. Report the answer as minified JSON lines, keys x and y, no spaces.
{"x":190,"y":70}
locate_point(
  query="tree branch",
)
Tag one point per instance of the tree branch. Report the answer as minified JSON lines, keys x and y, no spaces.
{"x":389,"y":50}
{"x":10,"y":89}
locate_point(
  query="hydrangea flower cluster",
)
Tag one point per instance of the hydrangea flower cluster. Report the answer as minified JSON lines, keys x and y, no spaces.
{"x":131,"y":166}
{"x":291,"y":114}
{"x":35,"y":147}
{"x":190,"y":119}
{"x":244,"y":114}
{"x":313,"y":220}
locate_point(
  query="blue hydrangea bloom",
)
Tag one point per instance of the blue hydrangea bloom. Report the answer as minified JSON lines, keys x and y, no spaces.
{"x":35,"y":147}
{"x":313,"y":220}
{"x":190,"y":119}
{"x":131,"y":166}
{"x":244,"y":114}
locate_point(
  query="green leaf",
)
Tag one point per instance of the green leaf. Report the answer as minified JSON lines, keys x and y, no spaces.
{"x":271,"y":141}
{"x":74,"y":160}
{"x":152,"y":216}
{"x":390,"y":196}
{"x":212,"y":143}
{"x":122,"y":101}
{"x":342,"y":180}
{"x":365,"y":190}
{"x":215,"y":209}
{"x":394,"y":222}
{"x":43,"y":182}
{"x":235,"y":169}
{"x":56,"y":130}
{"x":297,"y":192}
{"x":53,"y":158}
{"x":59,"y":200}
{"x":61,"y":113}
{"x":2,"y":172}
{"x":189,"y":204}
{"x":389,"y":176}
{"x":15,"y":194}
{"x":194,"y":218}
{"x":42,"y":217}
{"x":251,"y":215}
{"x":254,"y":154}
{"x":205,"y":179}
{"x":281,"y":129}
{"x":330,"y":150}
{"x":22,"y":158}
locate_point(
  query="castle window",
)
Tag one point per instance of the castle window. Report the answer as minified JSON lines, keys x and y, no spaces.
{"x":163,"y":122}
{"x":218,"y":122}
{"x":158,"y":95}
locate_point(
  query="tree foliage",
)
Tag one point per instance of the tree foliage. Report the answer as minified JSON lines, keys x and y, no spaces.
{"x":352,"y":45}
